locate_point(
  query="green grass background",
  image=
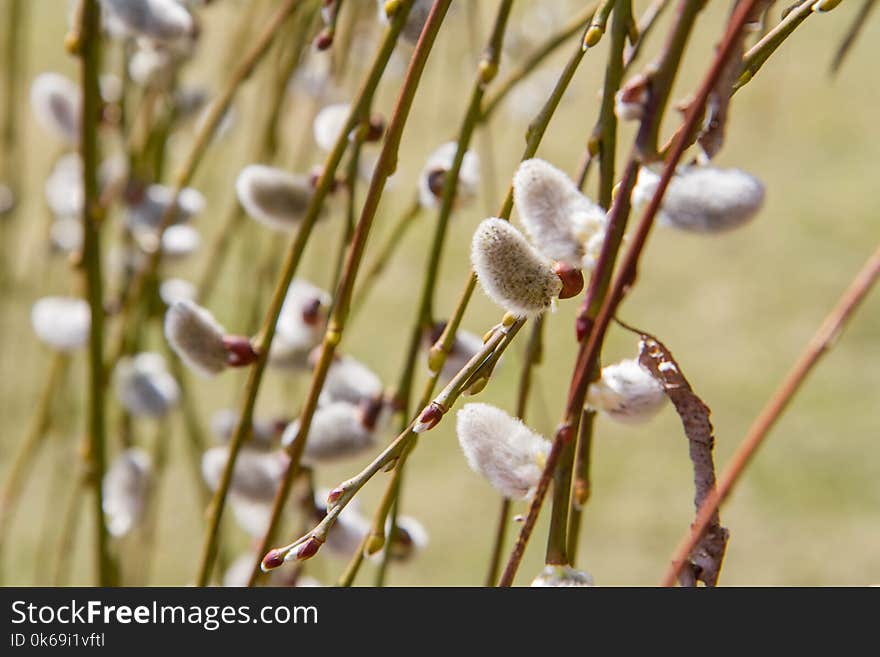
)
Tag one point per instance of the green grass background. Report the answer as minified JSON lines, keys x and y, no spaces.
{"x":735,"y":310}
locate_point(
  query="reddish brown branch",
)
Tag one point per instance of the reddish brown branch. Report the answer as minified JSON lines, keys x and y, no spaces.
{"x":820,"y":343}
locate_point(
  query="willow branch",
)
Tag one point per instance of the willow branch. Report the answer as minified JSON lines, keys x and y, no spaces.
{"x":818,"y":346}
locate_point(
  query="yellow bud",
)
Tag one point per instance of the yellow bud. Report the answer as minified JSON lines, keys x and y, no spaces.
{"x":488,"y":71}
{"x":477,"y":386}
{"x":374,"y":543}
{"x":593,"y":36}
{"x":436,"y":359}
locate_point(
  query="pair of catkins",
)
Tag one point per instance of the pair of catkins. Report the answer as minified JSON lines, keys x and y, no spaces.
{"x":567,"y":230}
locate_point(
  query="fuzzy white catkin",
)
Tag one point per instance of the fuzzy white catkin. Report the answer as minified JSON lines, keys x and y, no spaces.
{"x":143,"y":385}
{"x":560,"y":221}
{"x":502,"y":449}
{"x":158,"y":20}
{"x":126,"y":487}
{"x":256,"y":474}
{"x":328,"y":125}
{"x":56,"y":103}
{"x":510,"y":271}
{"x":272,"y":196}
{"x":349,"y":380}
{"x":294,"y":336}
{"x":196,"y":337}
{"x":554,"y":576}
{"x":225,"y":421}
{"x":177,"y":289}
{"x":703,"y":199}
{"x":63,"y":188}
{"x":440,"y":162}
{"x":410,"y":538}
{"x":148,"y":211}
{"x":63,"y":323}
{"x":336,"y":433}
{"x":415,"y":21}
{"x":626,"y":392}
{"x":65,"y":234}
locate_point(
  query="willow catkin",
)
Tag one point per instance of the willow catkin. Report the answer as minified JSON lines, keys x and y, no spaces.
{"x":126,"y":486}
{"x":300,"y":325}
{"x":57,"y":104}
{"x":561,"y":222}
{"x":349,"y":380}
{"x":626,"y":392}
{"x":256,"y":474}
{"x":274,"y":197}
{"x":329,"y":123}
{"x":510,"y":271}
{"x":147,"y":210}
{"x":337,"y":432}
{"x":62,"y":323}
{"x":703,"y":199}
{"x":432,"y":177}
{"x":196,"y":337}
{"x":144,"y":387}
{"x":158,"y":20}
{"x":561,"y":576}
{"x":502,"y":449}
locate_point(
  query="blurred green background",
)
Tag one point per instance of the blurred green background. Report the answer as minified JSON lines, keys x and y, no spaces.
{"x":734,"y":309}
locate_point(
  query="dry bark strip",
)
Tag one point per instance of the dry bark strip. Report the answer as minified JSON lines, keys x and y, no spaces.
{"x":704,"y":563}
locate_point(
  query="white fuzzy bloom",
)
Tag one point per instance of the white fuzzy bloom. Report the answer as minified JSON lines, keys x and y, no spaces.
{"x":337,"y":432}
{"x":63,"y":188}
{"x":149,"y":66}
{"x":158,"y":20}
{"x":65,"y":234}
{"x":196,"y":337}
{"x":703,"y":199}
{"x":329,"y":124}
{"x":143,"y":385}
{"x":256,"y":475}
{"x":433,"y":175}
{"x":415,"y":22}
{"x":560,"y":220}
{"x":176,"y":289}
{"x":300,"y":325}
{"x":349,"y":380}
{"x":626,"y":392}
{"x":510,"y":271}
{"x":147,"y":212}
{"x":502,"y":449}
{"x":178,"y":241}
{"x":347,"y":533}
{"x":63,"y":323}
{"x":126,"y":488}
{"x":410,"y":538}
{"x":263,"y":432}
{"x":562,"y":576}
{"x":272,"y":196}
{"x":56,"y":102}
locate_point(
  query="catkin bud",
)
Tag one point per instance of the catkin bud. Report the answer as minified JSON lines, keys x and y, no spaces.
{"x":349,"y":380}
{"x":562,"y":576}
{"x":502,"y":449}
{"x":158,"y":20}
{"x":337,"y":432}
{"x":262,"y":435}
{"x":626,"y":392}
{"x":409,"y":539}
{"x":329,"y":124}
{"x":433,"y":176}
{"x":511,"y":272}
{"x":272,"y":196}
{"x":415,"y":21}
{"x":630,"y":101}
{"x":559,"y":219}
{"x":256,"y":474}
{"x":63,"y":323}
{"x":143,"y":385}
{"x":56,"y":102}
{"x":703,"y":199}
{"x":146,"y":210}
{"x":196,"y":337}
{"x":126,"y":487}
{"x":300,"y":325}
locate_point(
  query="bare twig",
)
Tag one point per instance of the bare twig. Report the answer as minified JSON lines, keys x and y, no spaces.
{"x":821,"y":343}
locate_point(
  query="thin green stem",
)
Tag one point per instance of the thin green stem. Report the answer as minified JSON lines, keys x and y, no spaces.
{"x":89,"y":43}
{"x":384,"y":168}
